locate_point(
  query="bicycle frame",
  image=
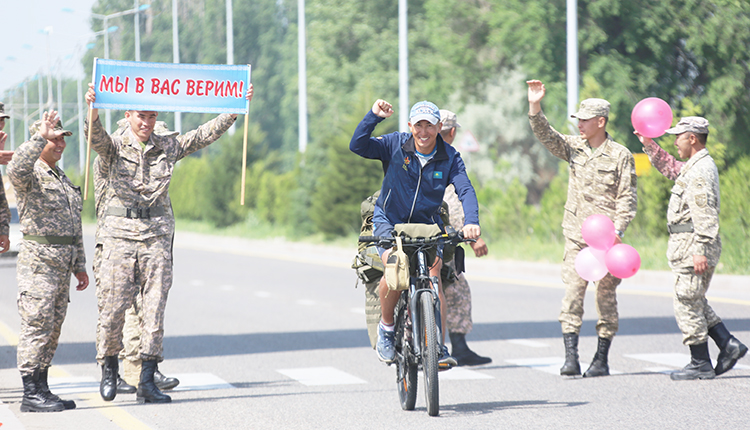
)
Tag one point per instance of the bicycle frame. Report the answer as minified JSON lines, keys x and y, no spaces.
{"x":417,"y":288}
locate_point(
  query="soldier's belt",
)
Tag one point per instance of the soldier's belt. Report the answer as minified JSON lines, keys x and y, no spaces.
{"x":51,"y":240}
{"x":680,"y":228}
{"x":135,"y":213}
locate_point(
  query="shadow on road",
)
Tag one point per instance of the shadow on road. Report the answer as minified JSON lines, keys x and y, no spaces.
{"x":211,"y":345}
{"x":489,"y":407}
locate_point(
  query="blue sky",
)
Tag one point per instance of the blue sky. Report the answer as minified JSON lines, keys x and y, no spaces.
{"x":25,"y":42}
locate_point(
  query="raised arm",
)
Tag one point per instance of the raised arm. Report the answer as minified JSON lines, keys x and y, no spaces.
{"x":101,"y":142}
{"x":665,"y":163}
{"x":554,"y":141}
{"x":21,"y":167}
{"x":362,"y":143}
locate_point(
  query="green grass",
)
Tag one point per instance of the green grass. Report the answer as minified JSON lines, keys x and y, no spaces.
{"x":530,"y":248}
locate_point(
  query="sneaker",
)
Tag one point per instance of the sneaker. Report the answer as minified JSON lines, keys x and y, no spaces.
{"x":445,"y":361}
{"x":386,"y":347}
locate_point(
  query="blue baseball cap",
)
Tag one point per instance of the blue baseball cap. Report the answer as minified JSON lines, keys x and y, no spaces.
{"x":424,"y":110}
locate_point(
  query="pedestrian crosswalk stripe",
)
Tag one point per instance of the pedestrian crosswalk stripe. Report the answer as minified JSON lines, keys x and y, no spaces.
{"x":673,"y":360}
{"x":311,"y":376}
{"x":200,"y":381}
{"x":545,"y":364}
{"x":462,"y":373}
{"x":188,"y":382}
{"x":528,"y":342}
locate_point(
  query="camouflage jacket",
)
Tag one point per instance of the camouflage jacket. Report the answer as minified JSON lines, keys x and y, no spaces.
{"x":602,"y":181}
{"x":4,"y":211}
{"x":48,"y":202}
{"x":455,"y":209}
{"x":695,"y":198}
{"x":136,"y":177}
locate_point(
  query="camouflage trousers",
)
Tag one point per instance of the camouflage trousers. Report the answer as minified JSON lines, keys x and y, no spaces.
{"x":127,"y":269}
{"x":458,"y":300}
{"x":691,"y":309}
{"x":571,"y":314}
{"x":372,"y":310}
{"x":43,"y":275}
{"x":131,"y":339}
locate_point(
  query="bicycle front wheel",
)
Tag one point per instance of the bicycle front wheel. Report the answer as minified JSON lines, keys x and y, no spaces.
{"x":430,"y":353}
{"x":406,"y":366}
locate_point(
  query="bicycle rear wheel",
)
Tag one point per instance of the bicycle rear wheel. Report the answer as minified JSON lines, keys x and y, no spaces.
{"x":406,"y":367}
{"x":430,"y":353}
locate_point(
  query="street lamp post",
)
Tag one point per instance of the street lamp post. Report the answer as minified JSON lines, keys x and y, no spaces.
{"x":176,"y":56}
{"x":105,"y":19}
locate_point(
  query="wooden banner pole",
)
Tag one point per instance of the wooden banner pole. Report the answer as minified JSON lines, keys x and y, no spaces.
{"x":244,"y":158}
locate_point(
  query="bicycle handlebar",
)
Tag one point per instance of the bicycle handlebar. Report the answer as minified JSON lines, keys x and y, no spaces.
{"x":389,"y":241}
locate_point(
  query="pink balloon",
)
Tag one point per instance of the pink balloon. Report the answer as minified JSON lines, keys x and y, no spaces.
{"x":651,"y":117}
{"x":588,"y":266}
{"x":622,"y":261}
{"x":598,"y":231}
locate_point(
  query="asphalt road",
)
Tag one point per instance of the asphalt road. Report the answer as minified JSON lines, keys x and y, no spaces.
{"x":271,"y":335}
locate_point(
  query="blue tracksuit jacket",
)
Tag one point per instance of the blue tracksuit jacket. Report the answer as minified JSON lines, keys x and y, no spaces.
{"x":412,"y":193}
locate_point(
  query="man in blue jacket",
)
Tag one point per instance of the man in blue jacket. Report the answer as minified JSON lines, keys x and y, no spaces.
{"x":418,"y":167}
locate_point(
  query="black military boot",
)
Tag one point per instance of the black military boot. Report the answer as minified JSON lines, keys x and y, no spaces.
{"x":699,"y":366}
{"x":147,"y":390}
{"x":571,"y":366}
{"x":35,"y":400}
{"x":44,"y":387}
{"x":123,"y":387}
{"x":164,"y":382}
{"x":462,"y":353}
{"x":730,"y":349}
{"x":599,"y":366}
{"x":108,"y":385}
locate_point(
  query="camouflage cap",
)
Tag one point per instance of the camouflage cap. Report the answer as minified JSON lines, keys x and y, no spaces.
{"x":449,"y":120}
{"x":58,"y":127}
{"x":2,"y":111}
{"x":695,"y":124}
{"x":591,"y":108}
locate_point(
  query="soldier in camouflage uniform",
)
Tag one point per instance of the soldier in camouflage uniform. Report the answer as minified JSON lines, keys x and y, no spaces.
{"x":5,"y":157}
{"x":602,"y":181}
{"x":49,"y":206}
{"x":131,"y":334}
{"x":694,"y":246}
{"x":457,"y":293}
{"x":135,"y":236}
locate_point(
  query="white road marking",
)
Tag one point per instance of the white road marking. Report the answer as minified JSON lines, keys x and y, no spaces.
{"x":311,"y":376}
{"x":188,"y":382}
{"x":461,"y":373}
{"x":677,"y":360}
{"x":671,"y":359}
{"x":550,"y":365}
{"x":528,"y":342}
{"x":200,"y":381}
{"x":73,"y":385}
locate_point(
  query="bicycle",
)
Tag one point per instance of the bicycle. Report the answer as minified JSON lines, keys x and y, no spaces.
{"x":416,"y":315}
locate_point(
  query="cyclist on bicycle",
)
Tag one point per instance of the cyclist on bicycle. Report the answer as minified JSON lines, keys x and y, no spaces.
{"x":418,"y":166}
